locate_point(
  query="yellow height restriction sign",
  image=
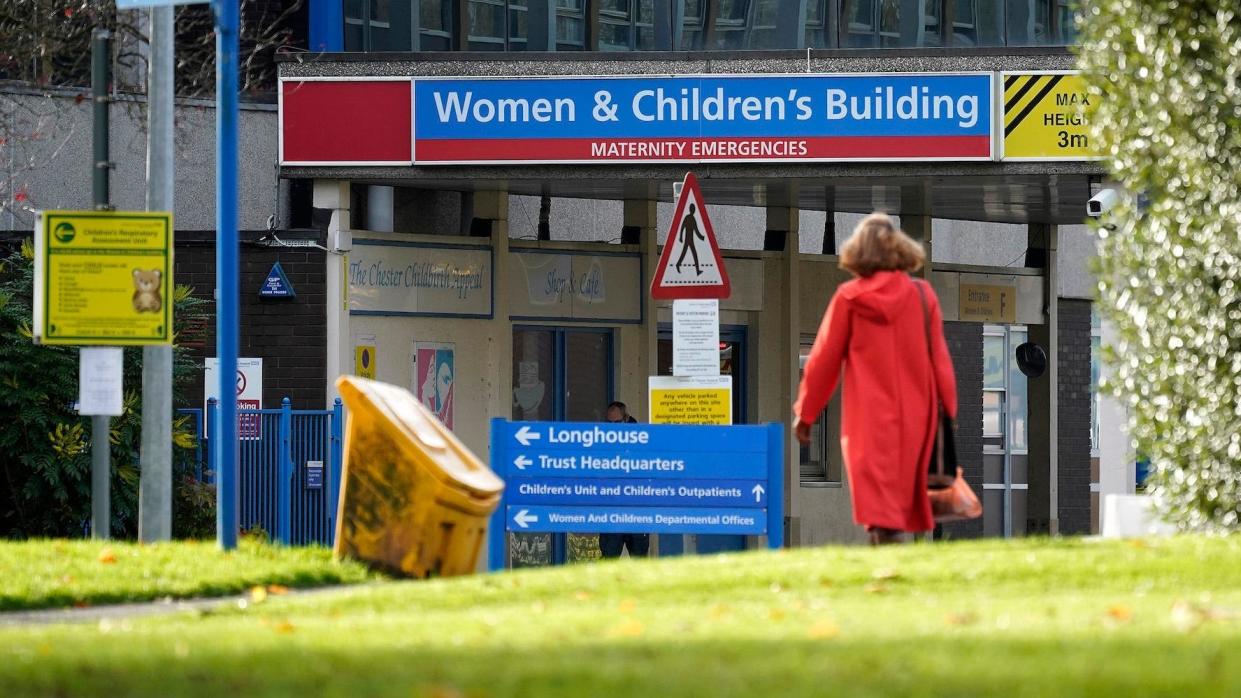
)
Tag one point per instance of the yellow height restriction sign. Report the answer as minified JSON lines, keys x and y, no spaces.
{"x":103,"y":277}
{"x":1046,"y":117}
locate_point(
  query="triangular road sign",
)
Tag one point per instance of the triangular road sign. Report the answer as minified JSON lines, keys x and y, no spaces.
{"x":691,"y":265}
{"x":277,"y":284}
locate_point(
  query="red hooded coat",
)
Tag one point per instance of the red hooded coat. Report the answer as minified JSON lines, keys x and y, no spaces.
{"x":874,"y":327}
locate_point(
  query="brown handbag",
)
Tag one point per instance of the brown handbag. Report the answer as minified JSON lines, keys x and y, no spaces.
{"x":952,"y":498}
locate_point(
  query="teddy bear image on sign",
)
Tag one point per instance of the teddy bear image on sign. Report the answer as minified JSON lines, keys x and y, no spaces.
{"x":147,"y":290}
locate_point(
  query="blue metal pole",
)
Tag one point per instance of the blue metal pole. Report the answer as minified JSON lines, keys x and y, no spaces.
{"x":284,"y":480}
{"x":226,"y":18}
{"x":335,"y":465}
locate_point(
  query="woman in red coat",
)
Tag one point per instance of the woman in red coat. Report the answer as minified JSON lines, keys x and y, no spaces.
{"x":875,"y":328}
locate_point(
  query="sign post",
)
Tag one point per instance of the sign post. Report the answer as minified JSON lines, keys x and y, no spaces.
{"x":566,"y":477}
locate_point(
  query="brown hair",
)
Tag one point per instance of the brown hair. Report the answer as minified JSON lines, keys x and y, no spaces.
{"x":878,"y":245}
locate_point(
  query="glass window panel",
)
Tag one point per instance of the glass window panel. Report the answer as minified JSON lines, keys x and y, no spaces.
{"x":816,"y":465}
{"x":860,"y":15}
{"x":353,"y":37}
{"x":571,"y":30}
{"x":587,"y":364}
{"x":380,"y":12}
{"x":693,"y":11}
{"x":353,"y":10}
{"x":534,"y":375}
{"x":1026,"y":22}
{"x":613,"y":37}
{"x":1096,"y":346}
{"x":619,"y":7}
{"x":518,"y":27}
{"x":433,"y":15}
{"x":1018,"y":396}
{"x":486,"y":19}
{"x":992,"y":411}
{"x":732,"y":10}
{"x":994,"y":362}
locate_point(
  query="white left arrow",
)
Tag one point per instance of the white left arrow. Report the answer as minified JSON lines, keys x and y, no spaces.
{"x":758,"y":493}
{"x":524,"y":518}
{"x":525,"y":435}
{"x":522,"y":462}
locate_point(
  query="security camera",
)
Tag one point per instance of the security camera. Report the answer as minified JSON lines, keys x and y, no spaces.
{"x":1101,"y":203}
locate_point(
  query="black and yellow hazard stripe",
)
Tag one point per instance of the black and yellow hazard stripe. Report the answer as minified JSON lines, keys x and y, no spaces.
{"x":1022,"y":93}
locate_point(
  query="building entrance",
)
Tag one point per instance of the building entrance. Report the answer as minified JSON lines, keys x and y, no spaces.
{"x":559,"y":375}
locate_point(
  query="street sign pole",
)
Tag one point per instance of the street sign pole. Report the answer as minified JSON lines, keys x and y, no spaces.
{"x":227,"y":521}
{"x":101,"y":445}
{"x":155,"y":484}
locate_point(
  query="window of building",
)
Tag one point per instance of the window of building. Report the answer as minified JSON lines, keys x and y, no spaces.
{"x":693,"y":19}
{"x":626,"y":25}
{"x":435,"y":25}
{"x":1096,"y":348}
{"x":818,"y":467}
{"x":497,"y":25}
{"x":570,"y":25}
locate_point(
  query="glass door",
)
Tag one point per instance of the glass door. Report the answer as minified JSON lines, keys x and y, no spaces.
{"x":559,"y":375}
{"x":1005,"y":436}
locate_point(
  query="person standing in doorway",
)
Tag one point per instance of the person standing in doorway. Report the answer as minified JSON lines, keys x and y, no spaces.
{"x":689,"y":230}
{"x":876,"y":328}
{"x":611,"y":544}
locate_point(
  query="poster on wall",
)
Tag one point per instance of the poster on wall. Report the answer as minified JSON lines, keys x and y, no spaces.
{"x":364,"y":350}
{"x":434,"y":375}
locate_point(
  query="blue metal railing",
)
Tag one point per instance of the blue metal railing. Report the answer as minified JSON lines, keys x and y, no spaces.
{"x":289,"y":469}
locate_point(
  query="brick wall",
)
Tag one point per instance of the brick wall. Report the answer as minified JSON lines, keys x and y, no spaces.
{"x":289,"y":334}
{"x":1073,"y":394}
{"x":965,"y":345}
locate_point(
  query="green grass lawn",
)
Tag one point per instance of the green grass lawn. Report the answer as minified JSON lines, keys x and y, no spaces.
{"x":1025,"y":618}
{"x":57,"y":573}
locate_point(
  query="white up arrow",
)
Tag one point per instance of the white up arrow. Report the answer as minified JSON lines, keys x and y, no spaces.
{"x":758,"y":493}
{"x":525,"y":435}
{"x":524,"y":518}
{"x":522,"y":462}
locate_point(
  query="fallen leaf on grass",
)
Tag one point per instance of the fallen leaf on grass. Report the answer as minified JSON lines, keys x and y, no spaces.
{"x":629,"y":628}
{"x":627,"y":606}
{"x":963,"y":618}
{"x":438,"y":691}
{"x":277,"y":589}
{"x":107,"y":557}
{"x":719,"y":610}
{"x":284,"y":627}
{"x":823,"y":630}
{"x":1120,"y":612}
{"x":258,"y":594}
{"x":1186,"y":617}
{"x":886,"y":574}
{"x":875,"y":588}
{"x":776,"y":614}
{"x":582,"y":595}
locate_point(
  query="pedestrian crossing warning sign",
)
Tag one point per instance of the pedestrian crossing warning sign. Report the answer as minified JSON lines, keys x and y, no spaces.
{"x":1046,"y":117}
{"x":691,"y":265}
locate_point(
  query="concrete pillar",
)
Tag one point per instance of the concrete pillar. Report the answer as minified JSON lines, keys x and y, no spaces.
{"x":495,"y":206}
{"x":916,"y":218}
{"x":489,"y":212}
{"x":783,"y":219}
{"x":640,"y":215}
{"x":379,"y":208}
{"x":1042,"y":514}
{"x":331,"y":204}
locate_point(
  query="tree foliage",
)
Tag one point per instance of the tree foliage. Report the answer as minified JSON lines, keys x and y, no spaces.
{"x":45,"y":444}
{"x":1166,"y":76}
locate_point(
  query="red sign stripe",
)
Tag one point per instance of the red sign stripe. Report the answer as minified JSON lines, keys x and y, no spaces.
{"x":664,"y":149}
{"x":346,"y":121}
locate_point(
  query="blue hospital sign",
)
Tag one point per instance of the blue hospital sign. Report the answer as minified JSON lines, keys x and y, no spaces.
{"x":573,"y":477}
{"x":703,"y":118}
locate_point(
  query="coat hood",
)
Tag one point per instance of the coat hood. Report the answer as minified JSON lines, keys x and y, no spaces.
{"x":882,"y":295}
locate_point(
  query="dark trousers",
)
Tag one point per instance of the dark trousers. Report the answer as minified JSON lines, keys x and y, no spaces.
{"x":610,"y":544}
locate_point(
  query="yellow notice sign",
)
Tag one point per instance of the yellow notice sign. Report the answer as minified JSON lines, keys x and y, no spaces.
{"x":1046,"y":117}
{"x":103,"y":277}
{"x":696,"y":400}
{"x":985,"y":303}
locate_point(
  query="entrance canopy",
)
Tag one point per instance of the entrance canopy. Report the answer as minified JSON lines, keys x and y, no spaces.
{"x":836,"y":133}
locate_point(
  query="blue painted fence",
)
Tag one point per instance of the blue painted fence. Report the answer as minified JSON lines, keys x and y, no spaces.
{"x":289,"y":468}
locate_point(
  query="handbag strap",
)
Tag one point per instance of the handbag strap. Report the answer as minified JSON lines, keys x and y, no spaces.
{"x":930,"y":354}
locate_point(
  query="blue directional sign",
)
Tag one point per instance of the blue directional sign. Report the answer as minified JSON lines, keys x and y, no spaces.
{"x":578,"y":477}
